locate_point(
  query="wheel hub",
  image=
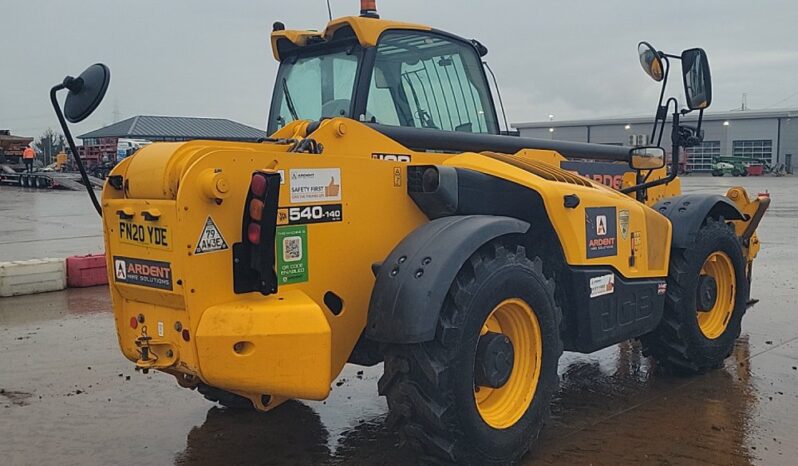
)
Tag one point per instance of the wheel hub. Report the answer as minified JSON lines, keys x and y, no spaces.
{"x":707,"y":293}
{"x":494,"y":361}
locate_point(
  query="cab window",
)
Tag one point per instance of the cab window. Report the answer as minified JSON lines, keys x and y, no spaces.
{"x":426,"y":80}
{"x":313,"y":86}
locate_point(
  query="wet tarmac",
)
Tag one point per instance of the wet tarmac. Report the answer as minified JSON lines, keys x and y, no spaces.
{"x":68,"y":397}
{"x":37,"y":223}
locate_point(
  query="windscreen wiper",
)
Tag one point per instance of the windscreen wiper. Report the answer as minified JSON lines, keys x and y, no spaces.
{"x":423,"y":115}
{"x":289,"y":101}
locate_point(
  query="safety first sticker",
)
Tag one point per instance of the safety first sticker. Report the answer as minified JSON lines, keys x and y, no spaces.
{"x":292,"y":254}
{"x":152,"y":274}
{"x":601,"y":232}
{"x":315,"y":185}
{"x":211,"y":239}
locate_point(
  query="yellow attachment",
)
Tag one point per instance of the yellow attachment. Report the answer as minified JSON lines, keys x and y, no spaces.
{"x":713,"y":322}
{"x":367,"y":31}
{"x":749,"y":208}
{"x":502,"y":407}
{"x":267,"y":345}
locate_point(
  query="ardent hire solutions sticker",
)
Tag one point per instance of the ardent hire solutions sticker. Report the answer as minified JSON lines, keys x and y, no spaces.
{"x":210,"y":239}
{"x":315,"y":184}
{"x":152,"y":274}
{"x":292,"y":254}
{"x":601,"y":232}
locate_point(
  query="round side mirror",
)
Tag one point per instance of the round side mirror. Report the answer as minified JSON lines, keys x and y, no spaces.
{"x":650,"y":61}
{"x":86,"y":92}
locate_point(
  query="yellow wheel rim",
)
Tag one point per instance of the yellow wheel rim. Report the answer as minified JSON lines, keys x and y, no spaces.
{"x":502,"y":407}
{"x":714,"y":322}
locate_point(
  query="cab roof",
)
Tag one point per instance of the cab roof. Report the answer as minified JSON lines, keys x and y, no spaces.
{"x":367,"y":31}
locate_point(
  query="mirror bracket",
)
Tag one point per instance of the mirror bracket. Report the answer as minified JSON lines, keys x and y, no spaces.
{"x":74,"y":85}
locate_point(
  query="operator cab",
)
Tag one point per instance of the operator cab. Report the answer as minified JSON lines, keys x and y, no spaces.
{"x":382,"y":72}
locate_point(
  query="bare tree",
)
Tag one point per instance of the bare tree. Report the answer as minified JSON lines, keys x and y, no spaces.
{"x":48,"y":145}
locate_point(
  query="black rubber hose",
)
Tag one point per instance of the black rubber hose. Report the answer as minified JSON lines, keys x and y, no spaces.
{"x":73,"y":148}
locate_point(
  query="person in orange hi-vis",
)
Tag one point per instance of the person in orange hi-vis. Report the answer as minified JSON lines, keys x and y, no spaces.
{"x":27,"y":156}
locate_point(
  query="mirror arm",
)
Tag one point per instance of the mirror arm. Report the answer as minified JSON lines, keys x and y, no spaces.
{"x":70,"y":141}
{"x":639,"y":188}
{"x":700,"y":120}
{"x":661,"y":114}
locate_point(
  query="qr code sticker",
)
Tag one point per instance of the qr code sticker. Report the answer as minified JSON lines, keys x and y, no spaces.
{"x":292,"y":248}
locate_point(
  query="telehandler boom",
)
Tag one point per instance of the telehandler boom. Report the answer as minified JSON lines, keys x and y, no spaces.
{"x":389,"y":218}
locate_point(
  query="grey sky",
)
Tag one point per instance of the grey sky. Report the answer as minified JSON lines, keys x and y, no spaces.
{"x":573,"y":59}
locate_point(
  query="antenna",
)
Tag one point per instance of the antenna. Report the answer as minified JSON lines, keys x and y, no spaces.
{"x":329,"y":10}
{"x":744,"y":105}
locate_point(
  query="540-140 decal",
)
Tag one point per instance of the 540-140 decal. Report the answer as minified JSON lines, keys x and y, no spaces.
{"x":304,"y":215}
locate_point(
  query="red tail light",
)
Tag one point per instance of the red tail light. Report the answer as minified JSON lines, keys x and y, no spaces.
{"x":253,"y":265}
{"x":258,"y":185}
{"x":253,"y":233}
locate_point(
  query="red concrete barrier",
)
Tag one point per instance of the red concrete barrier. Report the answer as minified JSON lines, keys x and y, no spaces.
{"x":83,"y":271}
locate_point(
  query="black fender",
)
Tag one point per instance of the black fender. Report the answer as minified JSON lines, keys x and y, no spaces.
{"x":688,"y":212}
{"x":413,"y":281}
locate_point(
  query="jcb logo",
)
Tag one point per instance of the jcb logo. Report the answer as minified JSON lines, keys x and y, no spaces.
{"x":402,"y":158}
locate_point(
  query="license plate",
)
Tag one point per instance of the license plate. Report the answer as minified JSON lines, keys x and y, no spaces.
{"x":151,"y":236}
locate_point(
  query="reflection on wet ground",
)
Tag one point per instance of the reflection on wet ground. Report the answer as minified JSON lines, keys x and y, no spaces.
{"x":66,"y":395}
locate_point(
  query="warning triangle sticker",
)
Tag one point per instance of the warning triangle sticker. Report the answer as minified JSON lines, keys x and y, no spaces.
{"x":211,"y":239}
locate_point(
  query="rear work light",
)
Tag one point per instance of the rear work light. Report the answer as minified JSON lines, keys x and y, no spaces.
{"x":253,"y":257}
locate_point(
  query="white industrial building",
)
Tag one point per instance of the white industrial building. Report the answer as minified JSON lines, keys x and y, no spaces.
{"x":768,"y":135}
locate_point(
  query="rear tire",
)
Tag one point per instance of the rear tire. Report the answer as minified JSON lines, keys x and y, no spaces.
{"x":688,"y":341}
{"x":431,"y":389}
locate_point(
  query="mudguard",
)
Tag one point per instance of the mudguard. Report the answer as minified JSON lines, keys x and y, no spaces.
{"x":688,"y":212}
{"x":413,"y":281}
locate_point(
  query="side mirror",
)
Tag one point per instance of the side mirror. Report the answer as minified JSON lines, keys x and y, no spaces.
{"x":86,"y":92}
{"x":650,"y":61}
{"x":697,"y":79}
{"x":647,"y":158}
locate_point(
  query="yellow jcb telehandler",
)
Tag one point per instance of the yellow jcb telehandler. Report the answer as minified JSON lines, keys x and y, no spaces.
{"x":389,"y":218}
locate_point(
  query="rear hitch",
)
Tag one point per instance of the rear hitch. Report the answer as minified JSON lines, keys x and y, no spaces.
{"x":146,"y":360}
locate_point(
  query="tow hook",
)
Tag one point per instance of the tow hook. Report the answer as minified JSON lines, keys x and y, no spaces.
{"x":143,"y":342}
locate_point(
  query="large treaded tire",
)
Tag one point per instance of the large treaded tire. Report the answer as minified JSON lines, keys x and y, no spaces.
{"x":678,"y":343}
{"x":430,"y":386}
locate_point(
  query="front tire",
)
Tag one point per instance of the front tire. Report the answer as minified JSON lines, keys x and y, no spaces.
{"x":438,"y":393}
{"x":705,"y":302}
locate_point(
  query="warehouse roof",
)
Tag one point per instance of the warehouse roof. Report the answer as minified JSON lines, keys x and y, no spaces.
{"x":177,"y":128}
{"x":709,"y":116}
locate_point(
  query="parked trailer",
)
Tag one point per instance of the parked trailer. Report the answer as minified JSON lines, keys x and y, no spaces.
{"x":46,"y":180}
